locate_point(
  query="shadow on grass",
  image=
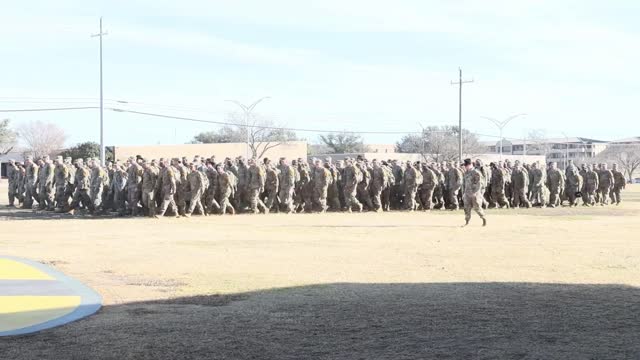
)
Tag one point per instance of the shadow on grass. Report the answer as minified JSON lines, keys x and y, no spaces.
{"x":358,"y":321}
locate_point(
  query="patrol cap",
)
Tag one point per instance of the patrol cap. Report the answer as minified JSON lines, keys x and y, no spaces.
{"x":467,"y":162}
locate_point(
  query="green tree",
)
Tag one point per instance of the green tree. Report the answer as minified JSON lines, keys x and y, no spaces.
{"x":343,"y":143}
{"x":83,"y":150}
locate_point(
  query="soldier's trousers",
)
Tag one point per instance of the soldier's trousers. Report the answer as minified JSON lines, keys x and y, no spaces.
{"x":386,"y":199}
{"x":376,"y":199}
{"x":604,"y":195}
{"x":397,"y":195}
{"x":96,"y":198}
{"x":554,"y":196}
{"x":12,"y":192}
{"x":195,"y":202}
{"x":320,"y":199}
{"x":520,"y":198}
{"x":45,"y":197}
{"x":272,"y":198}
{"x":453,"y":197}
{"x":472,"y":202}
{"x":118,"y":200}
{"x":210,"y":201}
{"x":133,"y":197}
{"x":410,"y":197}
{"x":571,"y":196}
{"x":333,"y":197}
{"x":615,"y":195}
{"x":363,"y":195}
{"x":225,"y":203}
{"x":255,"y":202}
{"x":286,"y":199}
{"x":351,"y":200}
{"x":168,"y":202}
{"x":180,"y":200}
{"x":426,"y":197}
{"x":81,"y":195}
{"x":498,"y":197}
{"x":29,"y":195}
{"x":438,"y":196}
{"x":536,"y":195}
{"x":149,"y":202}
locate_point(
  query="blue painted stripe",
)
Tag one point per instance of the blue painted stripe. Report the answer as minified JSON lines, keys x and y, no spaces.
{"x":34,"y":288}
{"x":90,"y":303}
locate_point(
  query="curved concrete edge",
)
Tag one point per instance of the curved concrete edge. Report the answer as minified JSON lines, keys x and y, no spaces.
{"x":90,"y":304}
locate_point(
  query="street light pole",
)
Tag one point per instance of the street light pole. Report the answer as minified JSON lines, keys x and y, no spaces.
{"x":247,"y":113}
{"x":102,"y":155}
{"x":460,"y":82}
{"x":566,"y":154}
{"x":501,"y":125}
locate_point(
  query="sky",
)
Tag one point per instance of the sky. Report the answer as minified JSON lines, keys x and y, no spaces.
{"x":332,"y":65}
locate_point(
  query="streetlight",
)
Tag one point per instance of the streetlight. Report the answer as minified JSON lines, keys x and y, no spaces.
{"x":501,"y":125}
{"x":247,"y":112}
{"x":566,"y":155}
{"x":102,"y":156}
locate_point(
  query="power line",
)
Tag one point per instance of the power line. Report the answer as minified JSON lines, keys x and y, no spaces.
{"x":49,"y":109}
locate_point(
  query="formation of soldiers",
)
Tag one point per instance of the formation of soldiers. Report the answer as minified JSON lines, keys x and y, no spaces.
{"x":179,"y":187}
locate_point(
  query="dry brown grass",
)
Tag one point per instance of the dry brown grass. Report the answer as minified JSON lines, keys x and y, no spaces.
{"x":534,"y":284}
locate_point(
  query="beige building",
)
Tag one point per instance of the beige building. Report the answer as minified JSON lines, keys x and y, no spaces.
{"x":290,"y":150}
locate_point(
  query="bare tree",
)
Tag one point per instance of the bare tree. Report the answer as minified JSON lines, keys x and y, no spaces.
{"x":7,"y":137}
{"x":627,"y":156}
{"x":537,"y":141}
{"x":41,"y":138}
{"x":263,"y":134}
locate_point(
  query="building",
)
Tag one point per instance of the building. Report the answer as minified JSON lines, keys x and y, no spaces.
{"x":290,"y":150}
{"x":486,"y":158}
{"x":559,"y":150}
{"x":634,"y":140}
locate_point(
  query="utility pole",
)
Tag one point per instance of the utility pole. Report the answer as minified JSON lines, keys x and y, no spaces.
{"x":460,"y":82}
{"x":247,"y":113}
{"x":501,"y":125}
{"x":102,"y":156}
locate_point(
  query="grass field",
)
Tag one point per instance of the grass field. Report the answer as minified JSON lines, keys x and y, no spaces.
{"x":534,"y":284}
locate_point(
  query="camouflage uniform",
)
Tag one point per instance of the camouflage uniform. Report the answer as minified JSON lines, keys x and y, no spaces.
{"x":454,"y":184}
{"x":82,"y":183}
{"x":429,"y":182}
{"x":362,"y":189}
{"x":378,"y":183}
{"x":473,"y":194}
{"x":498,"y":183}
{"x":255,"y":182}
{"x":149,"y":186}
{"x":573,"y":184}
{"x":212,"y":193}
{"x":619,"y":183}
{"x":554,"y":183}
{"x":520,"y":184}
{"x":606,"y":184}
{"x":134,"y":182}
{"x":118,"y":186}
{"x":321,"y":181}
{"x":591,"y":184}
{"x":271,"y":186}
{"x":99,"y":178}
{"x":352,"y":176}
{"x":287,"y":182}
{"x":226,"y":182}
{"x":536,"y":175}
{"x":412,"y":178}
{"x":169,"y":187}
{"x":333,"y":193}
{"x":12,"y":176}
{"x":198,"y":183}
{"x":31,"y":180}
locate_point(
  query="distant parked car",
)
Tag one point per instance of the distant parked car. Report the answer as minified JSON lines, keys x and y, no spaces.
{"x":636,"y":181}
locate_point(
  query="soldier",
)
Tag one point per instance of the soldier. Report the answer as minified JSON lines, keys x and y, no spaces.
{"x":99,"y":178}
{"x":22,"y":175}
{"x":583,"y":190}
{"x":169,"y":185}
{"x":397,"y":192}
{"x":241,"y":191}
{"x":536,"y":175}
{"x":454,"y":184}
{"x":439,"y":191}
{"x":591,"y":184}
{"x":498,"y":183}
{"x":149,"y":185}
{"x":520,"y":184}
{"x":386,"y":190}
{"x":82,"y":184}
{"x":256,"y":178}
{"x":118,"y":188}
{"x":272,"y":183}
{"x":619,"y":183}
{"x":429,"y":181}
{"x":287,"y":182}
{"x":352,"y":176}
{"x":362,"y":189}
{"x":554,"y":183}
{"x":321,"y":180}
{"x":134,"y":182}
{"x":12,"y":176}
{"x":333,"y":193}
{"x":180,"y":173}
{"x":378,"y":182}
{"x":198,"y":183}
{"x":473,"y":193}
{"x":61,"y":179}
{"x":212,"y":192}
{"x":31,"y":181}
{"x":412,"y":178}
{"x":573,"y":184}
{"x":225,"y":187}
{"x":606,"y":184}
{"x":45,"y":184}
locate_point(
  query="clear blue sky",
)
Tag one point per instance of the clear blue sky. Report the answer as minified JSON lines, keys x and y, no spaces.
{"x":356,"y":65}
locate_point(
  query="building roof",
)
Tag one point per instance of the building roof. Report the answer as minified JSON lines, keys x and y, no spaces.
{"x":633,"y":139}
{"x":570,"y":140}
